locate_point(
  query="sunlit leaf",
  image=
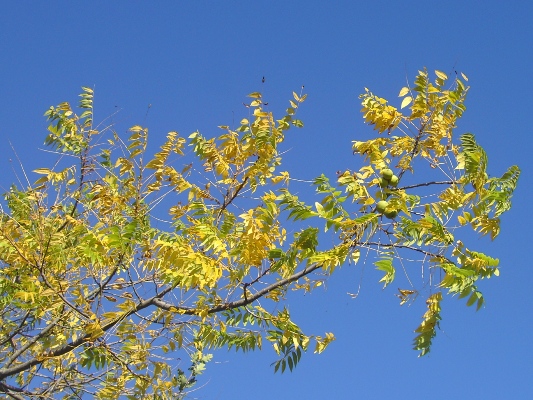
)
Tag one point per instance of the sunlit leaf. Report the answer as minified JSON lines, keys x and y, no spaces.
{"x":406,"y":101}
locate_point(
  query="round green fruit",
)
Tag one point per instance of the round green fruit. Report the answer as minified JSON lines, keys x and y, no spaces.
{"x":387,"y":174}
{"x":394,"y":181}
{"x":381,"y":206}
{"x":383,"y":182}
{"x":391,"y":214}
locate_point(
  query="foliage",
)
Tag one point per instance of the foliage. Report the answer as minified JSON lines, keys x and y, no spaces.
{"x":113,"y":265}
{"x":428,"y":225}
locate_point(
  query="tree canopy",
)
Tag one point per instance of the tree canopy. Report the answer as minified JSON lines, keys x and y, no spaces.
{"x":114,"y":261}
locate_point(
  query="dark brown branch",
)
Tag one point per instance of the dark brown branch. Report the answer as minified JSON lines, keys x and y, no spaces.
{"x":101,"y":286}
{"x":229,"y":199}
{"x":63,"y":298}
{"x":428,"y":184}
{"x":11,"y":391}
{"x":158,"y":302}
{"x":239,"y":303}
{"x":30,"y":343}
{"x":415,"y":148}
{"x":10,"y":337}
{"x":7,"y":372}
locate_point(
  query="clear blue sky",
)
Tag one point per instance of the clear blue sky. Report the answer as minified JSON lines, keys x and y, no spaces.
{"x":195,"y":61}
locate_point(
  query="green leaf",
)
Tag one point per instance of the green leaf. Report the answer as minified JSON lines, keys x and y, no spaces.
{"x":275,"y":253}
{"x":319,"y":209}
{"x":385,"y":264}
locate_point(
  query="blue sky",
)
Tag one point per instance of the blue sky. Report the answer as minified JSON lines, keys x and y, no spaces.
{"x":195,"y":62}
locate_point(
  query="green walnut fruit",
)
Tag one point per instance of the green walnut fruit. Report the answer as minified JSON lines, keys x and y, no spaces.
{"x":381,"y":206}
{"x":387,"y":174}
{"x":394,"y":181}
{"x":383,"y":183}
{"x":391,"y":214}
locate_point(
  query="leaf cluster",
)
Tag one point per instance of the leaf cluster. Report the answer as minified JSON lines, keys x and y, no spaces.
{"x":114,"y":264}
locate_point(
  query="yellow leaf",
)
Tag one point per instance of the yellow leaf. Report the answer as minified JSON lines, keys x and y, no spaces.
{"x":284,"y":176}
{"x":136,"y":128}
{"x":203,"y":313}
{"x":94,"y":330}
{"x":464,"y":77}
{"x":404,"y":91}
{"x":277,"y":179}
{"x":406,"y":101}
{"x":42,"y":179}
{"x":441,"y":74}
{"x":259,"y":113}
{"x":42,"y":171}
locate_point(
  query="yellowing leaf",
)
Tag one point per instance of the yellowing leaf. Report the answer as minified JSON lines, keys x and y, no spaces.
{"x":136,"y":128}
{"x":42,"y":171}
{"x":406,"y":101}
{"x":259,"y":113}
{"x":284,"y":176}
{"x":404,"y":91}
{"x":41,"y":180}
{"x":441,"y":74}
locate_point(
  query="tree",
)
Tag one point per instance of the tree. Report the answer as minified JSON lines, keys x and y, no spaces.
{"x":112,"y":265}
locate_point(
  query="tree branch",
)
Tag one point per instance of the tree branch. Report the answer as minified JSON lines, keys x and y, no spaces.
{"x":228,"y":199}
{"x":239,"y":303}
{"x":8,"y":389}
{"x":7,"y":372}
{"x":427,"y":184}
